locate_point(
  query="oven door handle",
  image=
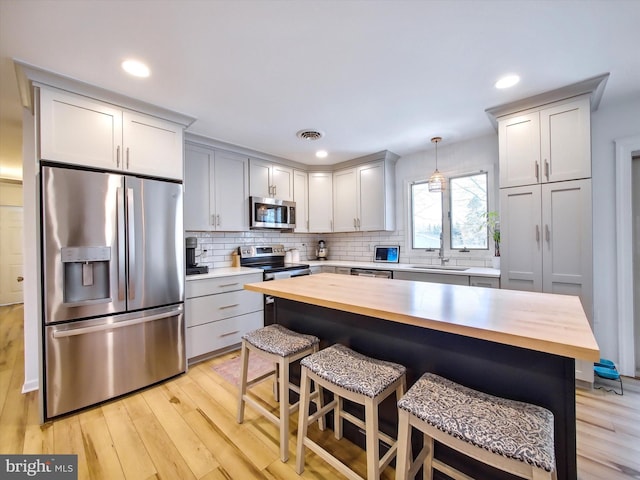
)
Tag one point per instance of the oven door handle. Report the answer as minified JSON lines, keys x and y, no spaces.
{"x":301,"y":274}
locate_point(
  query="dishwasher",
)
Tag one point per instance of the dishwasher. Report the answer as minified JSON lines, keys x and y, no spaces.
{"x":370,"y":272}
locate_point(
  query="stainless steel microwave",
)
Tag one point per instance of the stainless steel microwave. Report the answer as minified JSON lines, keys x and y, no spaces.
{"x":272,"y":213}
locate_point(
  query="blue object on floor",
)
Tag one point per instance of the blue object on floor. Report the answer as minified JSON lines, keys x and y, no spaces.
{"x":603,"y":362}
{"x":606,"y":369}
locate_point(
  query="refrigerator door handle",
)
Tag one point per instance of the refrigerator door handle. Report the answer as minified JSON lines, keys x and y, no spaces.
{"x":132,"y":245}
{"x":113,"y":326}
{"x":120,"y":223}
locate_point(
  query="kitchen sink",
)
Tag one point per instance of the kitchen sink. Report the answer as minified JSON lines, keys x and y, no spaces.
{"x":442,"y":267}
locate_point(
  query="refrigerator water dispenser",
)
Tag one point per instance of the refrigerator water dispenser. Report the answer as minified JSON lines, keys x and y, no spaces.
{"x":86,"y":275}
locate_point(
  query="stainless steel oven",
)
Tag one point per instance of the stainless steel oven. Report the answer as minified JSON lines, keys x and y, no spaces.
{"x":270,"y":258}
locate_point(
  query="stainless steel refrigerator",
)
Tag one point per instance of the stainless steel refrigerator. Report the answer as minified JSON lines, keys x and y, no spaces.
{"x":113,"y":285}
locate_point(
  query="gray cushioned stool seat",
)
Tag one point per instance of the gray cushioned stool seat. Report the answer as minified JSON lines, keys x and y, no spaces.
{"x":515,"y":430}
{"x":279,"y":340}
{"x":353,"y":371}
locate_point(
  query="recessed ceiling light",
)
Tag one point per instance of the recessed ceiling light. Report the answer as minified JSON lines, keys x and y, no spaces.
{"x":321,"y":154}
{"x":507,"y":81}
{"x":136,"y":68}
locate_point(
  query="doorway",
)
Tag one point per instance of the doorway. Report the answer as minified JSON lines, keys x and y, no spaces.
{"x":10,"y":255}
{"x":627,"y":149}
{"x":11,"y":245}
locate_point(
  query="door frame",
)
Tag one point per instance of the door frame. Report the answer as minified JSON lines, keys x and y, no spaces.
{"x":625,"y":148}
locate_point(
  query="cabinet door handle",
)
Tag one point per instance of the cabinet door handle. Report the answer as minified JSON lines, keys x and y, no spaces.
{"x":218,"y":220}
{"x":355,"y":225}
{"x":229,"y":306}
{"x":547,"y":233}
{"x":546,"y":168}
{"x":358,"y":224}
{"x":537,"y":171}
{"x":230,"y":333}
{"x":213,"y":219}
{"x":228,"y":285}
{"x":127,"y":158}
{"x":537,"y":233}
{"x":118,"y":156}
{"x":275,"y":189}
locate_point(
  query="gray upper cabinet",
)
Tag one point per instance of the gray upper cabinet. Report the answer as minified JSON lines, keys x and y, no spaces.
{"x":321,"y":202}
{"x":270,"y":180}
{"x":365,"y":194}
{"x":215,"y":190}
{"x":547,"y":144}
{"x":301,"y":197}
{"x":80,"y":130}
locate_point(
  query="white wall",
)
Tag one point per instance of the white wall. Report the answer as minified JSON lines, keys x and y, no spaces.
{"x":10,"y":193}
{"x":610,"y":122}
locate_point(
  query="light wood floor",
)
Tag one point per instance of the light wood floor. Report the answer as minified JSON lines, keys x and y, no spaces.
{"x":186,"y":429}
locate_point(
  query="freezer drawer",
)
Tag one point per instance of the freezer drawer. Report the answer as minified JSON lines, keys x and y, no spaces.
{"x":91,"y":361}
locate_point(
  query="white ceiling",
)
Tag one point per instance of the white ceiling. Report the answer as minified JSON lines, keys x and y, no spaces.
{"x":372,"y":75}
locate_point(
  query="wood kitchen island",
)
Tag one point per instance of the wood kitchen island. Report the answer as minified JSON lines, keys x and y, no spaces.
{"x":518,"y":345}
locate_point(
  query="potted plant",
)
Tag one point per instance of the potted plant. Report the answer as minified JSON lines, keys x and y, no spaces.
{"x":492,"y":224}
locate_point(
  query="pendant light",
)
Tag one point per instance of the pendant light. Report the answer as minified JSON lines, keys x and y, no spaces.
{"x":437,"y":182}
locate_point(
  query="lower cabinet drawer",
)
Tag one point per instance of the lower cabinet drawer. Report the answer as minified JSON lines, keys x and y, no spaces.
{"x":488,"y":282}
{"x":206,"y":309}
{"x":214,"y":336}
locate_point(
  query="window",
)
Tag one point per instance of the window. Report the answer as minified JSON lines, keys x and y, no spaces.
{"x":426,"y":212}
{"x":468,"y":207}
{"x":466,"y":200}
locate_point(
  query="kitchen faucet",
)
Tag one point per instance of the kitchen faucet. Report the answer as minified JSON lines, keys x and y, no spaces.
{"x":441,"y":256}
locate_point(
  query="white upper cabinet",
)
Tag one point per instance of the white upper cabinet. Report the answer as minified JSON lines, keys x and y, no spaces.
{"x":547,"y":144}
{"x":320,"y":202}
{"x":363,"y":197}
{"x":79,"y":130}
{"x":301,"y":197}
{"x":270,"y":180}
{"x":215,"y":190}
{"x":345,"y":199}
{"x":152,"y":146}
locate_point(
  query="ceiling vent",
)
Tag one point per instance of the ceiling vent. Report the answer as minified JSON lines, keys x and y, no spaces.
{"x":309,"y":135}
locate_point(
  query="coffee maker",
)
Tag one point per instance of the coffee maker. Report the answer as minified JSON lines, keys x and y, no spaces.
{"x":192,"y":267}
{"x":322,"y":252}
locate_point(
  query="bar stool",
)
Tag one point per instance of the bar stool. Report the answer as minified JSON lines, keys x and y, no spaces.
{"x":282,"y":347}
{"x":357,"y":378}
{"x":512,"y":436}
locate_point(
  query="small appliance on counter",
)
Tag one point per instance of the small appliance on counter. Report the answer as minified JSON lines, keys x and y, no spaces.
{"x":386,"y":253}
{"x":322,"y":252}
{"x":192,"y":267}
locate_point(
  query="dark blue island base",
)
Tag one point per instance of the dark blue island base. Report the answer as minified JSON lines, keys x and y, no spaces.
{"x":517,"y":373}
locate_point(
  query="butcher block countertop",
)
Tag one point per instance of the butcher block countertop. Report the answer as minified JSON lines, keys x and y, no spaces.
{"x":543,"y":322}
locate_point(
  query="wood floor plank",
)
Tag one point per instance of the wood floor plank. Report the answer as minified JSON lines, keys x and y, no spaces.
{"x":134,"y":458}
{"x":165,"y":456}
{"x":67,"y":439}
{"x":37,"y":438}
{"x":101,"y":454}
{"x":193,"y":451}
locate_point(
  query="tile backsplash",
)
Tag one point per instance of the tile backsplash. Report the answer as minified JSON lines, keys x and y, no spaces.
{"x":215,"y":248}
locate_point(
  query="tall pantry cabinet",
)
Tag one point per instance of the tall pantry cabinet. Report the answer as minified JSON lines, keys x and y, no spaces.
{"x":545,"y":202}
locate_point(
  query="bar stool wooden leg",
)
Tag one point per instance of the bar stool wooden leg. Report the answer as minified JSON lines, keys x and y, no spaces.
{"x":404,"y":440}
{"x":303,"y":424}
{"x":283,"y":393}
{"x":244,"y":366}
{"x":372,"y":443}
